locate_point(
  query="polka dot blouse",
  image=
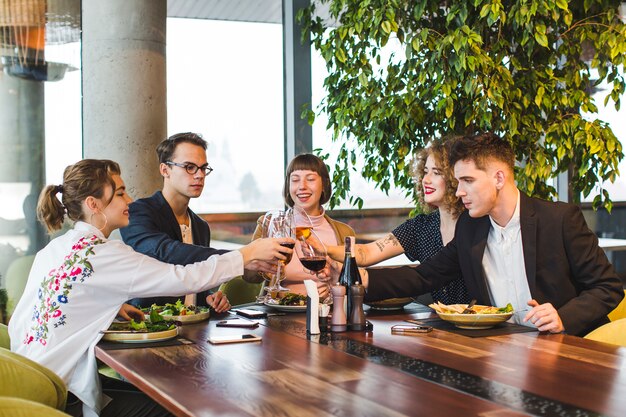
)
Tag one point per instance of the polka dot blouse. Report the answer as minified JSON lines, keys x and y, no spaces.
{"x":420,"y":238}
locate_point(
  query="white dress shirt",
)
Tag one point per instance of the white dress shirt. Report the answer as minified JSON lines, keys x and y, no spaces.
{"x":185,"y":232}
{"x":504,"y":267}
{"x":76,"y":286}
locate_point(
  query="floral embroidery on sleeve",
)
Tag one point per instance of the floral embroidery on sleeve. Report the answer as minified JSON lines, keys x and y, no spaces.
{"x":55,"y":289}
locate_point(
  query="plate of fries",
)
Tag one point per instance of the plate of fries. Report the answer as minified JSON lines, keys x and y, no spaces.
{"x":479,"y":316}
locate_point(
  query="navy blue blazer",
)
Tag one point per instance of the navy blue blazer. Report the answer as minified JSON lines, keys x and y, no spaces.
{"x":564,"y":265}
{"x":154,"y":231}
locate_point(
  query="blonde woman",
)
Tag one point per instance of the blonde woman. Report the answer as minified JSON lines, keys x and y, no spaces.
{"x":424,"y":235}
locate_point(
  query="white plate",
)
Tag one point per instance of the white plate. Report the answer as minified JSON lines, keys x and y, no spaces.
{"x":287,"y":309}
{"x":390,"y":303}
{"x":187,"y":318}
{"x":190,"y":318}
{"x":141,"y":337}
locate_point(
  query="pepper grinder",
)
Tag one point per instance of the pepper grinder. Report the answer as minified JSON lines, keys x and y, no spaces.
{"x":338,"y":322}
{"x":357,"y":315}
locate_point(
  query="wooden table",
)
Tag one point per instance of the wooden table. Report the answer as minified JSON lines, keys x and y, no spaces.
{"x":377,"y":374}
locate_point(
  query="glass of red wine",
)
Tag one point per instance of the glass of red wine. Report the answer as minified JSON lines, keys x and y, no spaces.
{"x":312,"y":253}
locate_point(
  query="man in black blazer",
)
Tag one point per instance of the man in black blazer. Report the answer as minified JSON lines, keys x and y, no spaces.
{"x":538,"y":255}
{"x":158,"y":223}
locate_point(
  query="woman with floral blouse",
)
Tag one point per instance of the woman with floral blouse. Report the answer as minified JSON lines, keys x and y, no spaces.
{"x":80,"y":280}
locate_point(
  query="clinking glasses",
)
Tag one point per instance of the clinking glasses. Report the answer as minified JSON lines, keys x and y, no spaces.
{"x":192,"y":168}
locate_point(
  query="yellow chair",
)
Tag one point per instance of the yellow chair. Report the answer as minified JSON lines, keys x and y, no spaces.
{"x":240,"y":292}
{"x":620,"y":311}
{"x":613,"y":333}
{"x":20,"y":377}
{"x":17,"y":275}
{"x":19,"y":407}
{"x":5,"y":342}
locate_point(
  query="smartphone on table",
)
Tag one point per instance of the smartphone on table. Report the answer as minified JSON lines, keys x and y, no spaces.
{"x":240,"y":338}
{"x":410,"y":329}
{"x":238,"y":322}
{"x":251,"y":313}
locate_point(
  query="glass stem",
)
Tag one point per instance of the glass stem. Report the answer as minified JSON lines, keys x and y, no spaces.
{"x":277,"y":280}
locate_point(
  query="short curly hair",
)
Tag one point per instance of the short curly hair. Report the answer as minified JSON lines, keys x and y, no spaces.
{"x":439,"y":149}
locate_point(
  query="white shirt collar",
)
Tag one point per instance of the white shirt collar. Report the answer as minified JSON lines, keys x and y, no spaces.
{"x":511,"y":228}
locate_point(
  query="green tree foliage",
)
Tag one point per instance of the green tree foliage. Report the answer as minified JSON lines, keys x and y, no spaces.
{"x":515,"y":67}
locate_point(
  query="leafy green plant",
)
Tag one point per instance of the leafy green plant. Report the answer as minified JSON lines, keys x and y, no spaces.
{"x":524,"y":69}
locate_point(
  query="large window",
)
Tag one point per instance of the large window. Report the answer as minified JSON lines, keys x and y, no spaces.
{"x":615,"y":118}
{"x":225,"y":81}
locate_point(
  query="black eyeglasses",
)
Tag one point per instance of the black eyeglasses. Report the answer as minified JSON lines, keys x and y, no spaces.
{"x":192,"y":168}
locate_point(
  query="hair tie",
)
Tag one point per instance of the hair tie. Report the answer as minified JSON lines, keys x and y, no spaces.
{"x":58,"y":189}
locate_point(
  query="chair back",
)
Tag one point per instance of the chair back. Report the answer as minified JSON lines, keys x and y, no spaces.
{"x":17,"y":276}
{"x":613,"y":333}
{"x":19,"y":407}
{"x":20,"y":377}
{"x":620,"y":311}
{"x":5,"y":341}
{"x":240,"y":292}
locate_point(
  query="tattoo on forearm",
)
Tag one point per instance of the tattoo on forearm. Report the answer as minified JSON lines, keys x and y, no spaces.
{"x":390,"y":239}
{"x":362,"y":255}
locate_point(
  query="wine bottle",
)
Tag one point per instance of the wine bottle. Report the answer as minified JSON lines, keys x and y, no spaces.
{"x":349,"y":273}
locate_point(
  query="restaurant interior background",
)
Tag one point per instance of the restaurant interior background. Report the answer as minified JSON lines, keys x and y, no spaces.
{"x":225,"y":81}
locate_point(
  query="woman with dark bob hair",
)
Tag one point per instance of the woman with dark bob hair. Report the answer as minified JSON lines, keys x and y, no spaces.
{"x":79,"y":283}
{"x":307,"y":186}
{"x":424,"y":235}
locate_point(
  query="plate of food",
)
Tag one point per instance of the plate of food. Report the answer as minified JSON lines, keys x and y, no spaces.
{"x":145,"y":331}
{"x":290,"y":302}
{"x":390,"y":303}
{"x":179,"y":312}
{"x":479,"y":316}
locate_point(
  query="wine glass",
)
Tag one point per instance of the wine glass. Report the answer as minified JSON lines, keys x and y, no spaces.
{"x":264,"y":223}
{"x":312,"y":254}
{"x":301,"y":221}
{"x":280,"y":225}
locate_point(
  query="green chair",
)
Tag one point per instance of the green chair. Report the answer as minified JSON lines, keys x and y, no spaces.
{"x":613,"y":333}
{"x":17,"y":275}
{"x":620,"y":311}
{"x":19,"y":407}
{"x":5,"y":342}
{"x":20,"y":377}
{"x":240,"y":292}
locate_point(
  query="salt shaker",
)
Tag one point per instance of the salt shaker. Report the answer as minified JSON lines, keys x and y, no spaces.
{"x":338,"y":322}
{"x":357,"y":315}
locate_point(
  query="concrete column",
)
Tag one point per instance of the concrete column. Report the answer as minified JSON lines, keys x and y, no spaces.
{"x":124,"y":87}
{"x":297,"y":81}
{"x":22,"y":143}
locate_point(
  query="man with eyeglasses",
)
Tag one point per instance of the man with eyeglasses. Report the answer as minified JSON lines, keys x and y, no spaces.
{"x":164,"y":227}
